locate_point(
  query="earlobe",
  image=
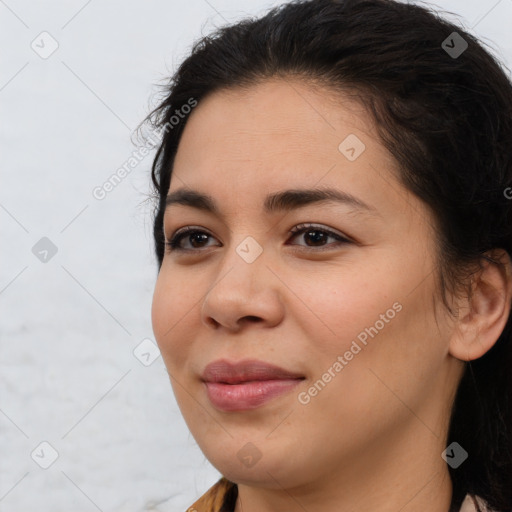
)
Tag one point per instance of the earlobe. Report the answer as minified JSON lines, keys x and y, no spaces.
{"x":483,"y":317}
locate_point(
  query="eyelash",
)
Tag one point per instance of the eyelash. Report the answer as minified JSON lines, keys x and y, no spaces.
{"x":173,"y":244}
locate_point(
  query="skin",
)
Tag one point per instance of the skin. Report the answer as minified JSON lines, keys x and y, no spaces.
{"x":372,"y":438}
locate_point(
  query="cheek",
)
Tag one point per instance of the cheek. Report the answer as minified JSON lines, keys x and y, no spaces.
{"x":336,"y":310}
{"x":171,"y":312}
{"x":378,"y":327}
{"x":371,"y":383}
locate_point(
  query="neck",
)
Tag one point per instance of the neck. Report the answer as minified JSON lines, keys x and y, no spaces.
{"x":389,"y":477}
{"x":435,"y":495}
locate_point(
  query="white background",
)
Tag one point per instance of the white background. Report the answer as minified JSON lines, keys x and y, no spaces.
{"x":68,"y":374}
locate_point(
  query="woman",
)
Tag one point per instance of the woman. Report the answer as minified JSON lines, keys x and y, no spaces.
{"x":333,"y":232}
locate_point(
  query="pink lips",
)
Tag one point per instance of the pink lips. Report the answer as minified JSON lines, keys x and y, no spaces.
{"x":247,"y":384}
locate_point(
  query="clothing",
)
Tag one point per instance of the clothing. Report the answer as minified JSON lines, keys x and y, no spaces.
{"x":221,"y":497}
{"x":468,"y":504}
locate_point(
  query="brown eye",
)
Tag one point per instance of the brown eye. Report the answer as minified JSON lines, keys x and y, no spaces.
{"x":317,"y":235}
{"x":196,"y":238}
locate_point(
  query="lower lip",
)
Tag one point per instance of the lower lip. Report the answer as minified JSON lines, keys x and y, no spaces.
{"x":247,"y":395}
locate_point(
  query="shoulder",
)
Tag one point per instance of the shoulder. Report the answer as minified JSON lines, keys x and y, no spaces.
{"x":218,"y":498}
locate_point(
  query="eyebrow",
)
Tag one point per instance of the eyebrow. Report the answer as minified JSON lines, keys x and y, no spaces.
{"x":285,"y":200}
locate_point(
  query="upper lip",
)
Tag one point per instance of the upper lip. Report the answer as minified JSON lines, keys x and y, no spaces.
{"x":243,"y":371}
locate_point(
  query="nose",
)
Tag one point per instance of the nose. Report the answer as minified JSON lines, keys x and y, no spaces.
{"x":243,"y":293}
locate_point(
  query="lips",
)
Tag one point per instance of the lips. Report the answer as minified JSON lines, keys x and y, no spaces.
{"x":247,"y":384}
{"x":245,"y":371}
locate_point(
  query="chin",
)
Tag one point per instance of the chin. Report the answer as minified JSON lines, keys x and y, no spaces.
{"x":273,"y":470}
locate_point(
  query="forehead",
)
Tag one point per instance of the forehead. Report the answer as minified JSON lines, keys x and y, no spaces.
{"x":241,"y":144}
{"x":285,"y":117}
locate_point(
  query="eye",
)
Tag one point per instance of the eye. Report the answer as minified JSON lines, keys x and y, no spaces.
{"x":190,"y":232}
{"x":316,"y":234}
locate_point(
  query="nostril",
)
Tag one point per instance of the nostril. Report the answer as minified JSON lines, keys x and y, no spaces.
{"x":252,"y":318}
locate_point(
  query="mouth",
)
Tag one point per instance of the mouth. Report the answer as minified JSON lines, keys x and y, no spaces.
{"x":247,"y":384}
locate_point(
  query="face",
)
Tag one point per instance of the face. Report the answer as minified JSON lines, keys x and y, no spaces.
{"x":344,"y":304}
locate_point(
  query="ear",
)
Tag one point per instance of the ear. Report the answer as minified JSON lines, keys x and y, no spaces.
{"x":483,"y":317}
